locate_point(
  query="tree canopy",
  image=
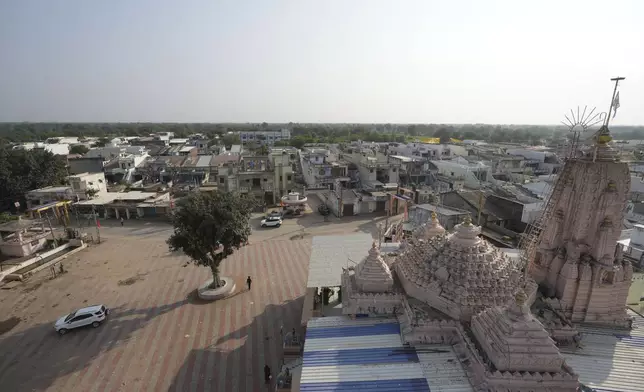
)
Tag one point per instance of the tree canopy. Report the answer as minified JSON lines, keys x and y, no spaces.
{"x":208,"y":227}
{"x":22,"y":171}
{"x":303,"y":133}
{"x":78,"y":149}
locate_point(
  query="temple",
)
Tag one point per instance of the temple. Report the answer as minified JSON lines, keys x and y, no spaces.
{"x":578,"y":262}
{"x":505,"y":320}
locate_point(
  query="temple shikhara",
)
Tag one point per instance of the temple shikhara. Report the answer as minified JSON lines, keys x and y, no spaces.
{"x":510,"y":320}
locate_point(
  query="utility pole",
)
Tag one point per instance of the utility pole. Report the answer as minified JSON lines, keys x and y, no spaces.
{"x":51,"y":230}
{"x":341,"y":206}
{"x":98,"y":228}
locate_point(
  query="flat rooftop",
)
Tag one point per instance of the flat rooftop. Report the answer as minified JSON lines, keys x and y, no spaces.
{"x":331,"y":253}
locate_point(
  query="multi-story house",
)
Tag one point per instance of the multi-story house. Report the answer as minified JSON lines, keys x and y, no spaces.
{"x":374,"y":168}
{"x":86,"y":185}
{"x":427,"y":150}
{"x":320,"y":172}
{"x":267,"y":137}
{"x":413,"y":170}
{"x":472,"y":175}
{"x":538,"y":161}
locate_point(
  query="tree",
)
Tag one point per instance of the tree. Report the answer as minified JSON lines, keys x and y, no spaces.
{"x":263,"y":150}
{"x":230,"y":139}
{"x":102,"y":142}
{"x":23,"y":170}
{"x":78,"y":149}
{"x":208,"y":227}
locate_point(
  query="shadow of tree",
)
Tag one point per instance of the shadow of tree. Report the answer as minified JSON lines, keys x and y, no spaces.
{"x":34,"y":358}
{"x":240,"y":368}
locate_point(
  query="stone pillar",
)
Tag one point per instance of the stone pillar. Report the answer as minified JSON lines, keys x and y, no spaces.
{"x":553,"y":272}
{"x":116,"y":211}
{"x":127,"y":213}
{"x":582,"y":297}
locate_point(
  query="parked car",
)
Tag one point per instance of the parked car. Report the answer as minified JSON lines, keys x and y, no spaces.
{"x":272,"y":221}
{"x":275,"y":214}
{"x":91,"y":315}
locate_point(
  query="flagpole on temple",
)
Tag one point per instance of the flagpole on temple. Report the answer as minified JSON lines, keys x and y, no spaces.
{"x":612,"y":101}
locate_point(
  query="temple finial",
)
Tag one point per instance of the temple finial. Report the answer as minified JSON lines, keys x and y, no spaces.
{"x":467,"y":220}
{"x":434,"y":216}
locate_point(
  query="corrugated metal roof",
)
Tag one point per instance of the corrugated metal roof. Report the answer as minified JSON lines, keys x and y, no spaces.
{"x":610,"y":359}
{"x":329,"y":254}
{"x":366,"y":354}
{"x":204,"y":160}
{"x":442,"y":369}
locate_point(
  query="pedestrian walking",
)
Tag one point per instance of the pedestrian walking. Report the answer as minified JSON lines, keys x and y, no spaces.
{"x":267,"y":374}
{"x":248,"y":282}
{"x":122,"y":221}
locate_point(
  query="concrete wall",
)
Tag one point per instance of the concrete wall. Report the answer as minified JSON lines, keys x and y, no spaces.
{"x":22,"y":249}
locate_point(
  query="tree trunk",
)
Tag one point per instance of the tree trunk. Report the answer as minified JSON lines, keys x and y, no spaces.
{"x":215,"y":276}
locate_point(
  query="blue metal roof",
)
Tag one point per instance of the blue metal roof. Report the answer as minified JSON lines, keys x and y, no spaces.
{"x":341,"y":354}
{"x":361,"y":357}
{"x":342,"y":332}
{"x":412,"y":385}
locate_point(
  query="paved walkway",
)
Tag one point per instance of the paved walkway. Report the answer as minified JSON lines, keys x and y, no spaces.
{"x":158,"y":338}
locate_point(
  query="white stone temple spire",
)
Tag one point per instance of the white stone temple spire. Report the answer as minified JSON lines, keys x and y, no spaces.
{"x":514,"y":340}
{"x":430,"y":229}
{"x":373,"y":274}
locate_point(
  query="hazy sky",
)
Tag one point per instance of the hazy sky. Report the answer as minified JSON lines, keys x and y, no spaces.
{"x":453,"y":61}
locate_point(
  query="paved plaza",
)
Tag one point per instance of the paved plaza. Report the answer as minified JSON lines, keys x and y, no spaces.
{"x":158,"y":336}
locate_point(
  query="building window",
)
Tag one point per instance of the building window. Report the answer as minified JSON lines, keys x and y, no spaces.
{"x":221,"y":180}
{"x":265,"y":179}
{"x":288,"y":178}
{"x":280,"y":178}
{"x":122,"y":165}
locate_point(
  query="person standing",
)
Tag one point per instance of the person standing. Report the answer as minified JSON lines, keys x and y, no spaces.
{"x":248,"y":282}
{"x":122,"y":221}
{"x":267,"y":374}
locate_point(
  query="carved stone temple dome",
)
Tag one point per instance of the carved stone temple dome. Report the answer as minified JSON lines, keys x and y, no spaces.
{"x":429,"y":230}
{"x":372,"y":274}
{"x":459,"y":274}
{"x":514,"y":340}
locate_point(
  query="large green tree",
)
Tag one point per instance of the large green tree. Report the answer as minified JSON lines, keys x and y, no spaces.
{"x":23,"y":170}
{"x":78,"y":149}
{"x":208,"y":227}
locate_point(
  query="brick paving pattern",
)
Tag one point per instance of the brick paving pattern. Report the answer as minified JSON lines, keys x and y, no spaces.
{"x":158,"y":337}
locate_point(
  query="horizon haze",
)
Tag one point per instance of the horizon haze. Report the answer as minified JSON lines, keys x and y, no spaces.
{"x":462,"y":62}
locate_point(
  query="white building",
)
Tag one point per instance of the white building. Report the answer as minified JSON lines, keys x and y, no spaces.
{"x":427,"y":150}
{"x":541,"y":162}
{"x":266,"y":136}
{"x":56,"y":149}
{"x":85,"y":184}
{"x":472,"y":174}
{"x":633,"y":246}
{"x":319,"y":171}
{"x":110,"y":153}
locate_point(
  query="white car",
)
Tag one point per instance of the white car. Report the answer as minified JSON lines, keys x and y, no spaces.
{"x":272,"y":221}
{"x":91,"y":315}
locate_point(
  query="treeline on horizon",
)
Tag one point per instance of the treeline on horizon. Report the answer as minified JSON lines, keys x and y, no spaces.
{"x":305,"y":133}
